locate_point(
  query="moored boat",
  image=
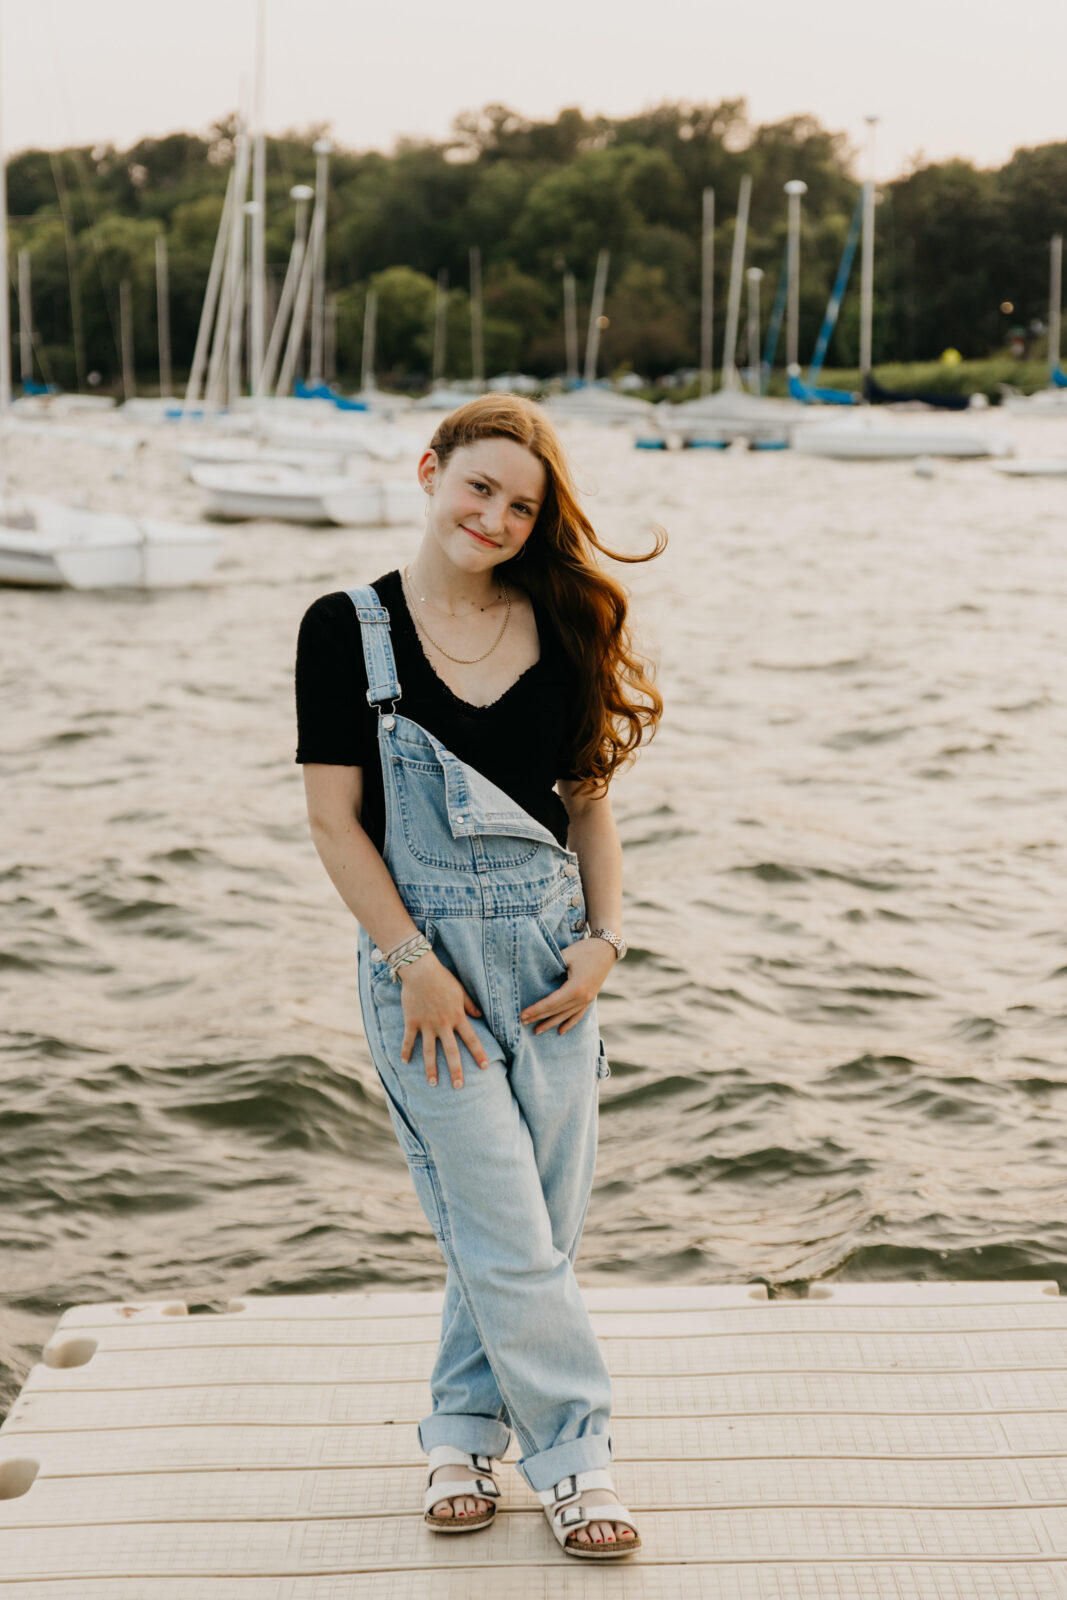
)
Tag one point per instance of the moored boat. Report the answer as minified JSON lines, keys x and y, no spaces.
{"x":45,"y":544}
{"x":859,"y":436}
{"x":285,"y":494}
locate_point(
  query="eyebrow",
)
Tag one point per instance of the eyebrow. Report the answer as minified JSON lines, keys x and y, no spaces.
{"x":488,"y":476}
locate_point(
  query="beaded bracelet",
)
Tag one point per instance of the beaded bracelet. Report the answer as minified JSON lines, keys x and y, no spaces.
{"x":420,"y":950}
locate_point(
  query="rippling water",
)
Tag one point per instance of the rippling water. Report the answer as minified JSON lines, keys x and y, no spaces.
{"x":839,"y":1043}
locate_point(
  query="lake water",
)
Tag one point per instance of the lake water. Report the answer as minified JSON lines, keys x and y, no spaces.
{"x":839,"y":1042}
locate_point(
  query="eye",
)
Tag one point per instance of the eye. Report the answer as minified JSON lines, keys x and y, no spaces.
{"x":475,"y":484}
{"x":524,"y":510}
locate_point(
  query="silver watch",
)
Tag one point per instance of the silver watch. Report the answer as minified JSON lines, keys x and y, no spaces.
{"x":620,"y":945}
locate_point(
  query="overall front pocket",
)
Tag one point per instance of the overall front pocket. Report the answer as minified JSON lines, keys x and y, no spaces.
{"x":380,"y":970}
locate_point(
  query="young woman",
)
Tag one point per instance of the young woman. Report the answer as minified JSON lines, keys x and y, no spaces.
{"x":438,"y":709}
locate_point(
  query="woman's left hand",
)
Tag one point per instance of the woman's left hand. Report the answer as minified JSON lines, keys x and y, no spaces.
{"x":588,"y":963}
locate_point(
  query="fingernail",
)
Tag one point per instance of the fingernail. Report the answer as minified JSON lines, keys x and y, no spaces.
{"x":432,"y":1082}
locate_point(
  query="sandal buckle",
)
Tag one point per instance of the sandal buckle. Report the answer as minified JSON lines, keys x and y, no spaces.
{"x":482,"y":1463}
{"x":562,"y":1493}
{"x":570,"y":1515}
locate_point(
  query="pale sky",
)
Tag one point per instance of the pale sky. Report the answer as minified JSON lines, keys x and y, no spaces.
{"x":946,"y":77}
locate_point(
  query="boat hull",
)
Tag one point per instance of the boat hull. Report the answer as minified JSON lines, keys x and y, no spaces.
{"x":56,"y":546}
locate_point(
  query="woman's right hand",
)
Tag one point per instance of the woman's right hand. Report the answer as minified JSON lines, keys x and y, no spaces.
{"x":436,"y":1005}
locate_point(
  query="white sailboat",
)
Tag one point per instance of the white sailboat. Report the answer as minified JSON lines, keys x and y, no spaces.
{"x":44,"y":544}
{"x":590,"y":401}
{"x":47,"y":544}
{"x":868,"y":434}
{"x":442,"y":397}
{"x":1052,"y":399}
{"x":237,"y":451}
{"x":863,"y":436}
{"x":286,"y":494}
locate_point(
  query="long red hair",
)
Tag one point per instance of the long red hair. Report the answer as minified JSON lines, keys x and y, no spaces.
{"x":559,"y":570}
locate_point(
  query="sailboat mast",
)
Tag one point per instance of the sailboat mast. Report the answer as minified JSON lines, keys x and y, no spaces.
{"x":570,"y":326}
{"x":596,"y":313}
{"x":301,"y":194}
{"x":1055,"y":301}
{"x":25,"y":320}
{"x":163,"y":314}
{"x":477,"y":347}
{"x":867,"y":260}
{"x":370,"y":322}
{"x":300,"y":304}
{"x":129,"y":387}
{"x":322,"y":149}
{"x":258,"y":297}
{"x":440,"y":328}
{"x":211,"y":295}
{"x":733,"y":304}
{"x":707,"y":290}
{"x":754,"y":277}
{"x":794,"y":189}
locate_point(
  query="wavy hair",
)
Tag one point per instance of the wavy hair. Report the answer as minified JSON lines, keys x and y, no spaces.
{"x":560,"y":571}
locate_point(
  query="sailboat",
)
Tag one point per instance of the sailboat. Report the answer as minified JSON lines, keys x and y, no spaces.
{"x":46,"y":544}
{"x":713,"y":421}
{"x":286,"y":494}
{"x":1054,"y":397}
{"x":590,"y":401}
{"x":864,"y":435}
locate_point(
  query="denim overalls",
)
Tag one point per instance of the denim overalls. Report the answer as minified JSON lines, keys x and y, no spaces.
{"x":503,"y":1167}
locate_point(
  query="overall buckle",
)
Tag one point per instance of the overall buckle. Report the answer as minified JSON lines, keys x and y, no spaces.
{"x":387,"y":718}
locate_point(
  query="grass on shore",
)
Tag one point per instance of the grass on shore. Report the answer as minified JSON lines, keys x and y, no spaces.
{"x":967,"y":377}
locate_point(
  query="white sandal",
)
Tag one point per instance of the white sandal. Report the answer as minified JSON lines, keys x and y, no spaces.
{"x":482,"y":1484}
{"x":566,"y":1515}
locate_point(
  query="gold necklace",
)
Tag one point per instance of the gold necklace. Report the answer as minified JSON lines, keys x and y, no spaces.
{"x":441,"y":609}
{"x":462,"y":661}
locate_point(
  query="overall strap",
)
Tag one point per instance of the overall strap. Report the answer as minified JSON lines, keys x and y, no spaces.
{"x":377,"y":645}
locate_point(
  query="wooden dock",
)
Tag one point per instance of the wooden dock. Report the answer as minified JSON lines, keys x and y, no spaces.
{"x":872,"y":1442}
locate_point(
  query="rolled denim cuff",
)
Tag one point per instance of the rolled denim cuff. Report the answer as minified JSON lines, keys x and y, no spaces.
{"x":544,"y":1470}
{"x":479,"y":1436}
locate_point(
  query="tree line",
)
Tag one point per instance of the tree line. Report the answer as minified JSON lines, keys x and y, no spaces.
{"x":955,"y":244}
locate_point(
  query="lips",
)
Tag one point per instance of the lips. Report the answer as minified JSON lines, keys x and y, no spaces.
{"x":481,"y":538}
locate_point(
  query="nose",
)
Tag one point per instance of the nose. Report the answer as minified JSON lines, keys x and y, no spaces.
{"x":494,"y":518}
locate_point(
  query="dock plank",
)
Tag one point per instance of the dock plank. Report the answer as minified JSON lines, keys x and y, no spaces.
{"x":857,"y":1445}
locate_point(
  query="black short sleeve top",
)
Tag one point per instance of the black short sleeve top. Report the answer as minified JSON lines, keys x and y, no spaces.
{"x":523,"y":742}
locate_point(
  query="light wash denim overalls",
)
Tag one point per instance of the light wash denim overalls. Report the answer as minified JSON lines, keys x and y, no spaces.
{"x":503,"y":1167}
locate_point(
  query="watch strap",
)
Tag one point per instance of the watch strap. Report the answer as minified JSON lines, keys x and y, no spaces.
{"x":618,"y":944}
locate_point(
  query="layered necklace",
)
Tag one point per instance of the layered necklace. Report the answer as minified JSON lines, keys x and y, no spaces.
{"x":463,"y":661}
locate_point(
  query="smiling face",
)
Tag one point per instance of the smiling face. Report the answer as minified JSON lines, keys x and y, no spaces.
{"x":483,"y":502}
